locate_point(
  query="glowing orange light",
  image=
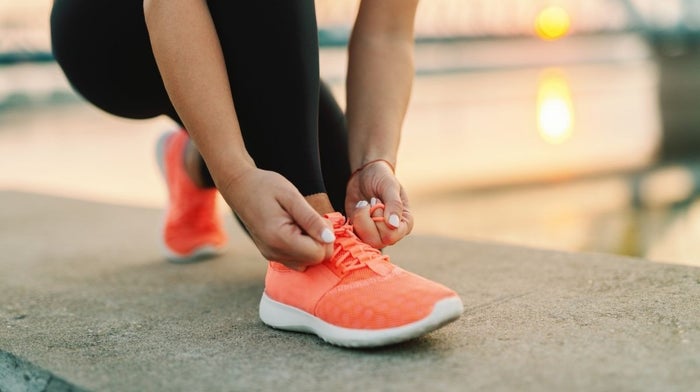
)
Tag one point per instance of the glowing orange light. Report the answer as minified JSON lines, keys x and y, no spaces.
{"x":552,"y":23}
{"x":555,"y":111}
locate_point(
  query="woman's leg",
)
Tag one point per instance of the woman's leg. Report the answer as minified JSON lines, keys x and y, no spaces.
{"x":104,"y":50}
{"x":271,"y":53}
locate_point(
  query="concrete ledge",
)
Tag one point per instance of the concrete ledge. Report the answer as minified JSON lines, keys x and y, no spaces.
{"x":86,"y":295}
{"x":18,"y":375}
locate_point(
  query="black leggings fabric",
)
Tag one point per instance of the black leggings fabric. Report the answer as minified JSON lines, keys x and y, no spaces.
{"x":290,"y":122}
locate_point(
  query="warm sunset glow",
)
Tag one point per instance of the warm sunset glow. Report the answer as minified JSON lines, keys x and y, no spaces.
{"x":555,"y":111}
{"x":552,"y":23}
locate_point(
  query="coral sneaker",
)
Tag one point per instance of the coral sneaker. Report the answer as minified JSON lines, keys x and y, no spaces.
{"x":356,"y":298}
{"x":192,"y":229}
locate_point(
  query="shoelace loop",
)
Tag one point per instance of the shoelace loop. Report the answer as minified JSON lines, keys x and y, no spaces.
{"x":349,"y":252}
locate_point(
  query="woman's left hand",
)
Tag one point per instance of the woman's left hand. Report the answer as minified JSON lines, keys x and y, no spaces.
{"x":377,"y":182}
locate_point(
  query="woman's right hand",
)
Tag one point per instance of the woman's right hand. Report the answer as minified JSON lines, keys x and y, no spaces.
{"x":284,"y":227}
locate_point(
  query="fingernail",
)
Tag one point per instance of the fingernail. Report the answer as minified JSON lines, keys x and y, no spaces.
{"x":327,"y":236}
{"x":394,"y":220}
{"x":362,"y":204}
{"x":373,"y":201}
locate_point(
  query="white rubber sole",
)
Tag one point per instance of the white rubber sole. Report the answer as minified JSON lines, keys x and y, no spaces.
{"x":199,"y":254}
{"x":281,"y":316}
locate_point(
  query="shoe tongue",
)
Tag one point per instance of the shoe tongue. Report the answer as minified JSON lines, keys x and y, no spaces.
{"x":336,"y":218}
{"x":375,"y":266}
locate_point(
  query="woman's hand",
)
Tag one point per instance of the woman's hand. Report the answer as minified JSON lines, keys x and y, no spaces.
{"x":377,"y":181}
{"x":282,"y":224}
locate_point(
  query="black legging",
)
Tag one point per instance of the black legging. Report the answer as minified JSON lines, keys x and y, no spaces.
{"x":290,"y":122}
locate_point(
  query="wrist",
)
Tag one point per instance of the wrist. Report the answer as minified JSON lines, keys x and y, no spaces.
{"x":229,"y":170}
{"x":233,"y":187}
{"x":359,"y":160}
{"x":378,"y":161}
{"x":366,"y":145}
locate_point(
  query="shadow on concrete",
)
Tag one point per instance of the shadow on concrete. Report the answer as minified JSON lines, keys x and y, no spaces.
{"x":19,"y":375}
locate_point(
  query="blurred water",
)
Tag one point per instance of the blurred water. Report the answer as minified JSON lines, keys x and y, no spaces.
{"x":24,"y":23}
{"x":551,"y":144}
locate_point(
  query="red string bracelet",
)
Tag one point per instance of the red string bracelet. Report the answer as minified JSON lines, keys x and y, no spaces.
{"x":359,"y":169}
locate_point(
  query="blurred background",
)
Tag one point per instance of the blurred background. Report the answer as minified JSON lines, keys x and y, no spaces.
{"x":563,"y":124}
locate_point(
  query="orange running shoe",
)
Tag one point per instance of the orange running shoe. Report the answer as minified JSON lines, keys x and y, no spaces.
{"x":356,"y":298}
{"x":192,"y":229}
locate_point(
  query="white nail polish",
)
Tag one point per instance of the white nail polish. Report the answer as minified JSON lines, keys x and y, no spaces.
{"x":327,"y":236}
{"x":362,"y":204}
{"x":373,"y":201}
{"x":394,"y":220}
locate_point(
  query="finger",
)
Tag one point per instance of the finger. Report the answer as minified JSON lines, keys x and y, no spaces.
{"x":301,"y":251}
{"x":406,"y":216}
{"x":310,"y":221}
{"x":392,"y":236}
{"x":290,"y":246}
{"x":312,"y":241}
{"x":393,"y":206}
{"x":352,"y":210}
{"x":389,"y":235}
{"x":365,"y":227}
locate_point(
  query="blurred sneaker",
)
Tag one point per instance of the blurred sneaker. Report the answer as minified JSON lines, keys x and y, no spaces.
{"x":356,"y":298}
{"x":192,"y":229}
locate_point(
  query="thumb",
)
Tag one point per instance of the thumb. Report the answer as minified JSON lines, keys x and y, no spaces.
{"x":308,"y":219}
{"x":393,"y":206}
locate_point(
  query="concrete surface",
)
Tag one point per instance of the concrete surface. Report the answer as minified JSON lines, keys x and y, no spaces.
{"x":85,"y":295}
{"x":19,"y":375}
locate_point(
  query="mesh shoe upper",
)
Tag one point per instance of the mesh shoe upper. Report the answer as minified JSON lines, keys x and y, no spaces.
{"x":357,"y":287}
{"x":192,"y":220}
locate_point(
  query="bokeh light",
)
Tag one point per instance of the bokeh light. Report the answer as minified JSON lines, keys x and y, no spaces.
{"x":553,"y":22}
{"x":555,"y":110}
